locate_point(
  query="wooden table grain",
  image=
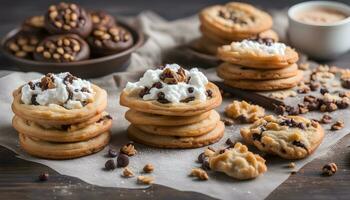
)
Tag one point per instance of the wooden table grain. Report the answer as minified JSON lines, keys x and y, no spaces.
{"x":18,"y":178}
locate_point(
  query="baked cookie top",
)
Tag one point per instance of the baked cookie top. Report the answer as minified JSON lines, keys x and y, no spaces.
{"x":238,"y":162}
{"x":290,"y":137}
{"x":244,"y":111}
{"x":62,"y":89}
{"x":240,"y":18}
{"x":171,"y":90}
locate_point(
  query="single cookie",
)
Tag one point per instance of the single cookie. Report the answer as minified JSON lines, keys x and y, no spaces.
{"x":230,"y":71}
{"x":260,"y":54}
{"x":55,"y":114}
{"x":101,"y":18}
{"x":238,"y":162}
{"x":205,"y":45}
{"x":244,"y":111}
{"x":173,"y":142}
{"x":265,"y":85}
{"x":234,"y":19}
{"x":191,"y":130}
{"x":22,"y":44}
{"x":290,"y":137}
{"x":60,"y":151}
{"x":66,"y":18}
{"x":62,"y":48}
{"x":34,"y":130}
{"x":141,"y":118}
{"x":109,"y":40}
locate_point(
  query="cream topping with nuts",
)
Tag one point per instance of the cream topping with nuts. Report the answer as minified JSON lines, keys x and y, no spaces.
{"x":61,"y":89}
{"x":173,"y":83}
{"x":251,"y":46}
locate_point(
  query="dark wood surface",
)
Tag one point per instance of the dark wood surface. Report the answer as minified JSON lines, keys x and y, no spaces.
{"x":18,"y":178}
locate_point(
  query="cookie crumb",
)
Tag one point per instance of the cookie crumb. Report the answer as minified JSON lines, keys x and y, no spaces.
{"x":148,"y":168}
{"x":337,"y":126}
{"x":199,"y":173}
{"x":291,"y":165}
{"x":127,"y":173}
{"x":145,"y":180}
{"x":128,"y":149}
{"x":329,"y":169}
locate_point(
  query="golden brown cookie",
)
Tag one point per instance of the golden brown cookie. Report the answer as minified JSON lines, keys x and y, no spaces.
{"x":141,"y":118}
{"x":59,"y":151}
{"x":206,"y":45}
{"x":244,"y":111}
{"x":266,"y":84}
{"x":237,"y":72}
{"x":238,"y":162}
{"x":290,"y":137}
{"x":190,"y":130}
{"x":173,"y":142}
{"x":35,"y":130}
{"x":133,"y":101}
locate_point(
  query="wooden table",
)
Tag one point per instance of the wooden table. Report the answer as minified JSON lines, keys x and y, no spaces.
{"x":18,"y":178}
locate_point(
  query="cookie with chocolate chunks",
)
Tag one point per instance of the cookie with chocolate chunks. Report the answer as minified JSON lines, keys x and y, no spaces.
{"x":101,"y":18}
{"x":68,"y":18}
{"x":62,"y":48}
{"x":106,"y":41}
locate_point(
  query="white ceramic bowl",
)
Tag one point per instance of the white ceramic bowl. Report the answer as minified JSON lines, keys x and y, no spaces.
{"x":326,"y":41}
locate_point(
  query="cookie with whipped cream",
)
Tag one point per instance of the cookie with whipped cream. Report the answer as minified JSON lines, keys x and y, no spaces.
{"x":290,"y":137}
{"x":171,"y":91}
{"x":244,"y":111}
{"x":60,"y":151}
{"x":234,"y":20}
{"x":58,"y":99}
{"x":266,"y":85}
{"x":175,"y":142}
{"x":260,"y":54}
{"x":238,"y":162}
{"x":237,"y":72}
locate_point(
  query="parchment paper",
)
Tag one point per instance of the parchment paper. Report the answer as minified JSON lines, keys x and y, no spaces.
{"x":171,"y":166}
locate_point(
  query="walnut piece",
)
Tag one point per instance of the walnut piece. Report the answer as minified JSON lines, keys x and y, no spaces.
{"x":127,"y":173}
{"x":128,"y":149}
{"x":199,"y":173}
{"x":148,"y":168}
{"x":145,"y":180}
{"x":329,"y":169}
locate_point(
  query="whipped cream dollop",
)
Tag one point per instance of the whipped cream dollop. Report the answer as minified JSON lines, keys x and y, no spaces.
{"x":61,"y":89}
{"x":171,"y":84}
{"x":245,"y":46}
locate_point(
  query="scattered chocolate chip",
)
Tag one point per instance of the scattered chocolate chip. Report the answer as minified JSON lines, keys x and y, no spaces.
{"x":205,"y":164}
{"x":112,"y":153}
{"x":190,"y":90}
{"x":31,"y":85}
{"x":143,"y":92}
{"x":209,"y":93}
{"x":33,"y":100}
{"x":201,"y":157}
{"x":299,"y":144}
{"x":157,"y":85}
{"x":242,"y":119}
{"x":326,"y":119}
{"x":161,"y":98}
{"x":324,"y":91}
{"x":337,"y":126}
{"x":110,"y":165}
{"x":122,"y":160}
{"x":229,"y":142}
{"x":44,"y":176}
{"x":329,"y":169}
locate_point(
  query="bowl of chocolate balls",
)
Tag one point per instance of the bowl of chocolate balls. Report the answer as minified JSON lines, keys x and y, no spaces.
{"x":69,"y":38}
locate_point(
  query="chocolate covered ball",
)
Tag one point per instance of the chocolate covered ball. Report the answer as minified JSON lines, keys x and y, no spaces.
{"x":68,"y":18}
{"x":106,"y":41}
{"x":23,"y":44}
{"x":101,"y":18}
{"x":62,"y":48}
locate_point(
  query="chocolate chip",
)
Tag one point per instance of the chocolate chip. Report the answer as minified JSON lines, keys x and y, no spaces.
{"x":144,"y":92}
{"x":110,"y":165}
{"x":157,"y":85}
{"x":227,"y":121}
{"x":112,"y":153}
{"x":190,"y":89}
{"x":299,"y":144}
{"x":229,"y":142}
{"x":201,"y":157}
{"x":222,"y":151}
{"x":84,"y":89}
{"x":188,"y":99}
{"x":209,"y":93}
{"x":161,"y":98}
{"x":31,"y":85}
{"x":324,"y":91}
{"x":205,"y":164}
{"x":257,"y":136}
{"x":280,"y":110}
{"x":33,"y":100}
{"x":43,"y":176}
{"x":122,"y":160}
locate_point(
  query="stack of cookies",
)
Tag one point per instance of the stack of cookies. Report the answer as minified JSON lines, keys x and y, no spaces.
{"x":60,"y":116}
{"x":259,"y":64}
{"x":223,"y":24}
{"x":173,"y":108}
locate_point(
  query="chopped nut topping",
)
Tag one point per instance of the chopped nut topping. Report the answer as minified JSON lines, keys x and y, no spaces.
{"x":128,"y":149}
{"x":171,"y":77}
{"x":337,"y":126}
{"x":145,"y":180}
{"x":329,"y":169}
{"x":127,"y":173}
{"x":291,"y":165}
{"x":47,"y":82}
{"x":148,"y":168}
{"x":199,"y":173}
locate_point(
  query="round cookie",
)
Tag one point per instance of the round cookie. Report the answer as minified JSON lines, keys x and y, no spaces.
{"x":176,"y":142}
{"x":141,"y":118}
{"x":66,"y":18}
{"x":62,"y":48}
{"x":32,"y":129}
{"x":133,"y":101}
{"x":290,"y":137}
{"x":234,"y":19}
{"x":101,"y":18}
{"x":34,"y":25}
{"x":23,"y":44}
{"x":60,"y":151}
{"x":58,"y":115}
{"x":266,"y":84}
{"x":191,"y":130}
{"x":237,"y":72}
{"x":109,"y":40}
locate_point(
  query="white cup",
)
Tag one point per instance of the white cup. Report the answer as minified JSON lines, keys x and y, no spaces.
{"x":320,"y":41}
